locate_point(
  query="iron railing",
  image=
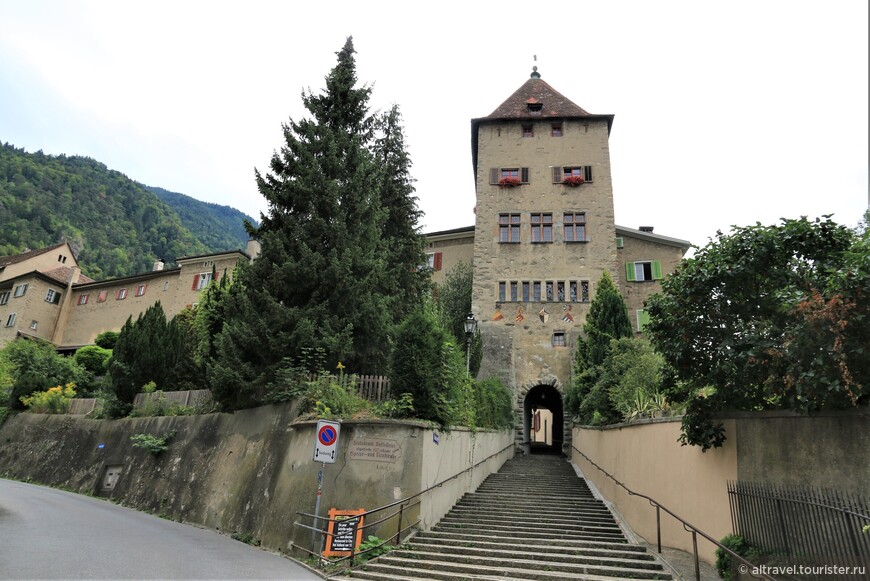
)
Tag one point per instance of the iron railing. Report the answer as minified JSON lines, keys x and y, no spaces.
{"x":686,"y":525}
{"x":801,"y":521}
{"x":403,"y":505}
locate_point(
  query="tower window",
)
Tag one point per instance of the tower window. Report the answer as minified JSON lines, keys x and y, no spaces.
{"x":542,"y":227}
{"x":575,"y":226}
{"x":575,"y":171}
{"x":503,"y":176}
{"x":535,"y":108}
{"x":528,"y":131}
{"x":508,"y":227}
{"x":559,"y":339}
{"x":556,"y":130}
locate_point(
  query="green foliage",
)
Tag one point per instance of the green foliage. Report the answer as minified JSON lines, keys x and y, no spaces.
{"x":340,"y":250}
{"x":453,"y":299}
{"x":373,"y":547}
{"x":773,"y":317}
{"x":403,"y":407}
{"x":607,"y":320}
{"x":493,"y":403}
{"x":333,"y":397}
{"x":5,"y":414}
{"x":55,"y":400}
{"x":740,"y":546}
{"x":107,"y":339}
{"x":109,"y":406}
{"x":93,"y":359}
{"x":36,"y":366}
{"x":632,"y":375}
{"x":246,"y":538}
{"x":427,"y":365}
{"x":154,"y":444}
{"x":154,"y":350}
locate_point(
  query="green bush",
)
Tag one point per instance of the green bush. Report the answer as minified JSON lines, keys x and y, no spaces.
{"x":334,"y":397}
{"x":154,"y":444}
{"x":35,"y":366}
{"x":107,"y":339}
{"x":55,"y":400}
{"x":740,"y":546}
{"x":493,"y":404}
{"x":93,"y":358}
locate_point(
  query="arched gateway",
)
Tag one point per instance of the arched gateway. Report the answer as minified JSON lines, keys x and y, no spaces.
{"x":543,"y":419}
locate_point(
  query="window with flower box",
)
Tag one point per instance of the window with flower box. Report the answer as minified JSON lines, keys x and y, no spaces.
{"x":574,"y":224}
{"x":509,"y":228}
{"x":542,"y":227}
{"x":508,"y":176}
{"x":576,"y":174}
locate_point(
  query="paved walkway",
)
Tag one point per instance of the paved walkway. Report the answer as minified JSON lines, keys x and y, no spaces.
{"x":683,"y":563}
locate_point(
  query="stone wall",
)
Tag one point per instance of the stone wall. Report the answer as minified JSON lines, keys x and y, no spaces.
{"x":251,"y":471}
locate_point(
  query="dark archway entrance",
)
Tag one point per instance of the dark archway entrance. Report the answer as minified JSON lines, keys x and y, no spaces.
{"x":543,"y":420}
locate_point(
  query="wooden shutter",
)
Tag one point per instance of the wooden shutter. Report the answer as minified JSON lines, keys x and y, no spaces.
{"x":630,"y":274}
{"x":642,"y":320}
{"x":557,"y":175}
{"x":587,"y":173}
{"x":524,"y":175}
{"x":437,"y":261}
{"x":494,"y":174}
{"x":656,"y":270}
{"x":195,"y":282}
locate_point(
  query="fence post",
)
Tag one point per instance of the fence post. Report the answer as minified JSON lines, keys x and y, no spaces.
{"x":399,"y":528}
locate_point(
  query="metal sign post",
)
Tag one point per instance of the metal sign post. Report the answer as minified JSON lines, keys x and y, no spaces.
{"x":325,"y":452}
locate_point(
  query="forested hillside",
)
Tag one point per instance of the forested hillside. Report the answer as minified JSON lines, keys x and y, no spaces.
{"x":218,"y":227}
{"x":115,"y":225}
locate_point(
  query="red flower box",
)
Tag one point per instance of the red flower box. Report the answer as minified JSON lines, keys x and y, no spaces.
{"x":573,"y":181}
{"x":509,"y":182}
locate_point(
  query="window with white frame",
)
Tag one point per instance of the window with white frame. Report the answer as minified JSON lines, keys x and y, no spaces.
{"x":10,"y":320}
{"x":34,"y":325}
{"x":201,"y":280}
{"x":140,"y":290}
{"x":83,"y":299}
{"x":643,"y":271}
{"x":52,"y":296}
{"x":4,"y":297}
{"x":122,"y":294}
{"x":20,"y":290}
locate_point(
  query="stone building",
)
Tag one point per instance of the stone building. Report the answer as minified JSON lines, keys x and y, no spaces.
{"x":544,"y":235}
{"x":44,"y":295}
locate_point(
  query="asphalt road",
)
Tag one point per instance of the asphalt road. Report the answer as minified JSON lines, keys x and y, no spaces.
{"x":52,"y":534}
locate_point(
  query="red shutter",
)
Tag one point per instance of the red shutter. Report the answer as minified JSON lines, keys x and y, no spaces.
{"x":437,"y":261}
{"x":216,"y":275}
{"x":195,"y":282}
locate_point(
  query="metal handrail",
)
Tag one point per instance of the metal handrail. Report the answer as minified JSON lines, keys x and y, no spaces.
{"x":686,"y":525}
{"x":401,"y":510}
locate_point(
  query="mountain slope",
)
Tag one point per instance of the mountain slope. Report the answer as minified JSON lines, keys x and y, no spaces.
{"x":218,"y":227}
{"x":116,"y":226}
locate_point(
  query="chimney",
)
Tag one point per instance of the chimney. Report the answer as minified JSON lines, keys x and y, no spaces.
{"x":158,"y":265}
{"x":646,"y":229}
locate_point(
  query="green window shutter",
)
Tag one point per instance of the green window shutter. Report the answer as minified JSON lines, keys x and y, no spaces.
{"x":657,"y":270}
{"x":642,"y":320}
{"x":629,"y":271}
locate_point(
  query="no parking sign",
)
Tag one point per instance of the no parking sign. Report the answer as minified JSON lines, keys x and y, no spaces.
{"x":326,"y":441}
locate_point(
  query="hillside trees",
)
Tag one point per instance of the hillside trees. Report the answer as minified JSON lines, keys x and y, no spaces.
{"x":768,"y":317}
{"x":453,"y":299}
{"x":340,"y":261}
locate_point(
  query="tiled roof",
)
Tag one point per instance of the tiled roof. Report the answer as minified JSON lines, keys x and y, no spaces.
{"x":537,"y":91}
{"x":61,"y":274}
{"x":7,"y":260}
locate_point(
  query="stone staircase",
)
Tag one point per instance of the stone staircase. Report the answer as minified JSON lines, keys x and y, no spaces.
{"x":535,"y":520}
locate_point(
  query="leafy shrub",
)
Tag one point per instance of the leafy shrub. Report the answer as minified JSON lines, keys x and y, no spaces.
{"x":36,"y":366}
{"x":107,"y":339}
{"x":93,"y":358}
{"x":403,"y":407}
{"x":493,"y":404}
{"x":5,"y":413}
{"x":109,"y":406}
{"x":53,"y":401}
{"x":740,"y":546}
{"x":154,"y":444}
{"x":373,"y":547}
{"x":331,"y":397}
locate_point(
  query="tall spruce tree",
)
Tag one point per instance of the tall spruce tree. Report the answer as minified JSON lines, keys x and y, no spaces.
{"x":607,"y":320}
{"x":340,"y":252}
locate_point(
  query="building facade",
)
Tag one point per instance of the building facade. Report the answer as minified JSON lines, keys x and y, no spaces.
{"x":544,"y":235}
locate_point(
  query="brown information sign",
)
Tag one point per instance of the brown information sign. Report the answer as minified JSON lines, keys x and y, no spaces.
{"x":345,"y":532}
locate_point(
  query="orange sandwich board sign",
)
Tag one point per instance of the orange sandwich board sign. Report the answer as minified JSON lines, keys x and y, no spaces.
{"x":326,"y":441}
{"x":344,"y":533}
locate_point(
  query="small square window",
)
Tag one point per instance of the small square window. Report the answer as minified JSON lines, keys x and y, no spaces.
{"x":83,"y":299}
{"x":535,"y":108}
{"x":528,"y":131}
{"x":122,"y":294}
{"x":559,"y":339}
{"x":33,"y":325}
{"x":52,"y":296}
{"x":556,"y":130}
{"x":140,"y":290}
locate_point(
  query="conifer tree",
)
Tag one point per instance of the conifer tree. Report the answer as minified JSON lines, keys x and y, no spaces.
{"x":340,"y":253}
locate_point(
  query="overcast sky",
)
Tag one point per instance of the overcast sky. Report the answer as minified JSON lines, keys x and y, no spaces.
{"x":726,"y":112}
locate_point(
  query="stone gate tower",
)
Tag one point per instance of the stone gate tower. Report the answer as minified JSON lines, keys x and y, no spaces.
{"x":544,"y":235}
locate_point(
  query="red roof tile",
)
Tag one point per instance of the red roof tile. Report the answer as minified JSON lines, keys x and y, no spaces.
{"x":534,"y":91}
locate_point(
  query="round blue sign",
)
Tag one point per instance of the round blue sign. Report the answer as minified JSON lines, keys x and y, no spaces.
{"x":327,"y":435}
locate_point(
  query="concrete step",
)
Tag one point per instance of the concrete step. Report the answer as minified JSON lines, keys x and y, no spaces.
{"x":512,"y":569}
{"x":485,"y":523}
{"x":485,"y":538}
{"x":520,"y":532}
{"x":500,"y":511}
{"x":536,"y":553}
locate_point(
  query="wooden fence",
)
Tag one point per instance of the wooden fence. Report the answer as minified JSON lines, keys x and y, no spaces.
{"x":192,"y":398}
{"x":375,"y":388}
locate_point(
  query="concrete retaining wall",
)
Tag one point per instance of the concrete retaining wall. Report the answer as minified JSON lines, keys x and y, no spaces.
{"x":830,"y":450}
{"x":251,"y":471}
